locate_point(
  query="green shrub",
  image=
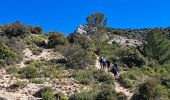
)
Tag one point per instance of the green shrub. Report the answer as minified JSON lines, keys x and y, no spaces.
{"x":102,"y":76}
{"x":87,"y":77}
{"x":107,"y":93}
{"x":37,"y":81}
{"x":166,"y":80}
{"x":35,"y":30}
{"x":46,"y":93}
{"x":5,"y":51}
{"x":84,"y":77}
{"x":76,"y":57}
{"x":148,"y":71}
{"x":81,"y":40}
{"x":12,"y":70}
{"x":15,"y":29}
{"x":121,"y":96}
{"x":153,"y":90}
{"x":28,"y":72}
{"x":38,"y":41}
{"x":7,"y":56}
{"x":132,"y":58}
{"x":125,"y":81}
{"x":62,"y":96}
{"x":82,"y":96}
{"x":55,"y":39}
{"x":18,"y":85}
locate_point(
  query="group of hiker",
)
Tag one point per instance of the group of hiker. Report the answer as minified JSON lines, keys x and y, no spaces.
{"x":105,"y":65}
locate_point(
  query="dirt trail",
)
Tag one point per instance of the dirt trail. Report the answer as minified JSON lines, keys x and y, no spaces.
{"x":118,"y":86}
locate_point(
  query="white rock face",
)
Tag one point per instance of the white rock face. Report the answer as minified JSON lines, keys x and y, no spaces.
{"x":125,"y":41}
{"x":84,"y":29}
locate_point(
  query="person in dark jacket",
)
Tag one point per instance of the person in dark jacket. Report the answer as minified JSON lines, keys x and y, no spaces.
{"x":108,"y":64}
{"x":115,"y":70}
{"x":101,"y":62}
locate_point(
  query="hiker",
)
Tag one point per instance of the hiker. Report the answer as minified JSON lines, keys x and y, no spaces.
{"x":115,"y":70}
{"x":108,"y":65}
{"x":101,"y":62}
{"x":104,"y":64}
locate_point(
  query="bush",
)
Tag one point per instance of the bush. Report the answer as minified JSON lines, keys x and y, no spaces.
{"x":12,"y":70}
{"x":81,"y":40}
{"x":28,"y":72}
{"x":82,"y":96}
{"x":46,"y":93}
{"x":107,"y":93}
{"x":125,"y":81}
{"x":35,"y":30}
{"x":102,"y":76}
{"x":39,"y":41}
{"x":148,"y":71}
{"x":37,"y":81}
{"x":55,"y":39}
{"x":7,"y":56}
{"x":132,"y":58}
{"x":61,"y":96}
{"x":121,"y":96}
{"x":15,"y":29}
{"x":153,"y":90}
{"x":17,"y":85}
{"x":87,"y":77}
{"x":76,"y":57}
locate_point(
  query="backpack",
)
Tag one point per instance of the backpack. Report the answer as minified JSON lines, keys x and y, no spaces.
{"x":114,"y":70}
{"x":101,"y":60}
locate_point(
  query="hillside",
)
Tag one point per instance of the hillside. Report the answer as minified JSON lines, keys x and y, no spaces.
{"x":35,"y":65}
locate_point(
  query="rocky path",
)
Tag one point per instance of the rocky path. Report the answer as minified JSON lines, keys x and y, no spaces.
{"x":118,"y":86}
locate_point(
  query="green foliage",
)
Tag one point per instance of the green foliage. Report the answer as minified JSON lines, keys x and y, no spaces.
{"x":35,"y":30}
{"x":102,"y":76}
{"x":28,"y":72}
{"x":39,"y":41}
{"x":76,"y":57}
{"x":81,"y":40}
{"x":55,"y":39}
{"x":107,"y":93}
{"x":153,"y":90}
{"x":6,"y":52}
{"x":12,"y":70}
{"x":148,"y":71}
{"x":121,"y":96}
{"x":157,"y":46}
{"x":87,"y":77}
{"x":102,"y":92}
{"x":46,"y":93}
{"x":125,"y":81}
{"x":62,"y":96}
{"x":15,"y":29}
{"x":37,"y":81}
{"x":84,"y":77}
{"x":96,"y":19}
{"x":7,"y":56}
{"x":82,"y":96}
{"x":132,"y":58}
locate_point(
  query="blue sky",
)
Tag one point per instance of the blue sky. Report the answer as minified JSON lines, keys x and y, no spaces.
{"x":66,"y":15}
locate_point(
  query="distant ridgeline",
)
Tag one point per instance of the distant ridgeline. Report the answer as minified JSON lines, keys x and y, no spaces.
{"x":84,"y":29}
